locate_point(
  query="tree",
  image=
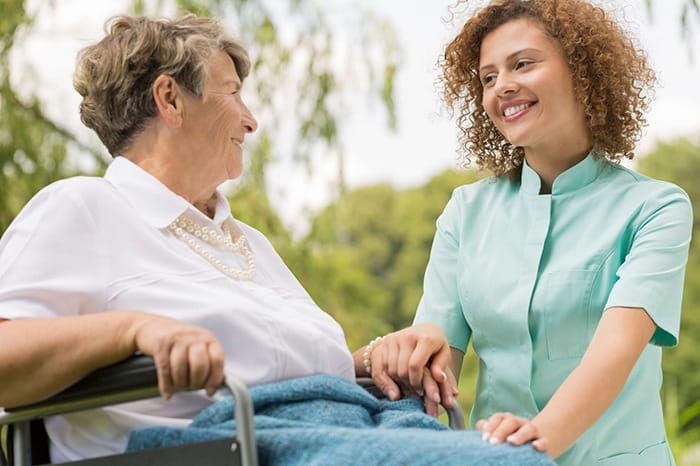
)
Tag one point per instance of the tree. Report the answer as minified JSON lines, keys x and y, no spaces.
{"x":33,"y":148}
{"x":368,"y":252}
{"x":299,"y":89}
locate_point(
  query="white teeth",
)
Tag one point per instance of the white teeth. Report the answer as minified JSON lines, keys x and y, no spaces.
{"x":513,"y":110}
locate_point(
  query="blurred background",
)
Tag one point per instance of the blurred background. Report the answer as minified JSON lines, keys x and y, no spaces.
{"x":355,"y":155}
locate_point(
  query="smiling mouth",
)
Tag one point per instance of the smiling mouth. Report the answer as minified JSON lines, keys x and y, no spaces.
{"x":510,"y":111}
{"x":237,"y":142}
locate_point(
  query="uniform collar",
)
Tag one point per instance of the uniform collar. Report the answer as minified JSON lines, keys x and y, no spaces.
{"x":576,"y":177}
{"x":154,"y":201}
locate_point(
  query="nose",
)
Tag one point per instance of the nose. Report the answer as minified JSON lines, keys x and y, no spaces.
{"x":505,"y":84}
{"x":250,"y":124}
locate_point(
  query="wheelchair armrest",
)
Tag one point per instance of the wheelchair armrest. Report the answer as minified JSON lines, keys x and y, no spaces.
{"x":134,"y":378}
{"x":454,"y":415}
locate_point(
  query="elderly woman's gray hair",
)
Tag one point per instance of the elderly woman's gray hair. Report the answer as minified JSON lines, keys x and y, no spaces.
{"x":115,"y":76}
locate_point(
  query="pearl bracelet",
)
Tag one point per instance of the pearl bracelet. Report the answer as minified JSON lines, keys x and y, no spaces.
{"x":368,"y":353}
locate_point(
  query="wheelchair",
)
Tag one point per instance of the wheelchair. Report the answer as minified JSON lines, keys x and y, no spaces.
{"x":134,"y":379}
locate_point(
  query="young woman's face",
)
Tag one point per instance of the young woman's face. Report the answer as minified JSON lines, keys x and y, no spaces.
{"x":528,"y":90}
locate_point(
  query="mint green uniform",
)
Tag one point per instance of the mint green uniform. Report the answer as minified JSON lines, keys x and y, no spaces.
{"x":528,"y":276}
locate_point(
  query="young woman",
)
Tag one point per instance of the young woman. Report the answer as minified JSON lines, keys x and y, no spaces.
{"x":565,"y":270}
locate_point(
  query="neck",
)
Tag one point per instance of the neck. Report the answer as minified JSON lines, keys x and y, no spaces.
{"x":160,"y":157}
{"x":551,"y":163}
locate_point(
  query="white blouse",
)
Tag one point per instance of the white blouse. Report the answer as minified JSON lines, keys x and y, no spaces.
{"x":88,"y":244}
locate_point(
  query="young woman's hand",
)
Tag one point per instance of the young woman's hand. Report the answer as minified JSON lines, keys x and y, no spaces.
{"x":414,"y":361}
{"x":507,"y":427}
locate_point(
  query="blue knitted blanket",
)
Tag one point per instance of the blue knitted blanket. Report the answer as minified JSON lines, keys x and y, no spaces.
{"x":328,"y":420}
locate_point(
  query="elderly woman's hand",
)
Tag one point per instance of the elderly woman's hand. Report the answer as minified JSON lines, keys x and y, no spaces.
{"x":186,"y":356}
{"x":414,"y":361}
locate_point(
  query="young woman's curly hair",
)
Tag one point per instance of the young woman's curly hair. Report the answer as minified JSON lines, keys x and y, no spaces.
{"x":611,"y":78}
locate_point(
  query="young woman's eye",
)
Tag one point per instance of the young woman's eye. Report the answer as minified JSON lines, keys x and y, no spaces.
{"x":489,"y":78}
{"x":522,"y":63}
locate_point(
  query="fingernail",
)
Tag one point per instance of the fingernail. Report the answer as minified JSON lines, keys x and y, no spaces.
{"x":510,"y":438}
{"x":436,"y":397}
{"x":485,"y":436}
{"x":392,"y":395}
{"x":494,"y":441}
{"x":444,"y":376}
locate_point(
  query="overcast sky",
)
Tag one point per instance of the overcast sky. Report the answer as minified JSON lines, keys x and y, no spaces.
{"x":425,"y":141}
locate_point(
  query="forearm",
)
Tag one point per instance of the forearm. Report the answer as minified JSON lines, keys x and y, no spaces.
{"x":40,"y":357}
{"x":579,"y":402}
{"x":600,"y":377}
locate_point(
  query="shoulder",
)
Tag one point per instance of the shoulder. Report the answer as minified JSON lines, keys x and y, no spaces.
{"x":79,"y":190}
{"x":625,"y":178}
{"x":632,"y":186}
{"x":647,"y":198}
{"x":77,"y":199}
{"x":76,"y":188}
{"x":483,"y":194}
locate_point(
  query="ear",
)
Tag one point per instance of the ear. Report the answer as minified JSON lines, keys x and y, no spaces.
{"x":168,"y":99}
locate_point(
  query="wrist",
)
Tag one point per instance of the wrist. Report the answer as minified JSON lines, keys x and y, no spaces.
{"x":367,"y":354}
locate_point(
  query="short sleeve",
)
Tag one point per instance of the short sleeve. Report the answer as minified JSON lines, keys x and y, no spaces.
{"x":651,"y":276}
{"x":49,"y":263}
{"x":440,"y":303}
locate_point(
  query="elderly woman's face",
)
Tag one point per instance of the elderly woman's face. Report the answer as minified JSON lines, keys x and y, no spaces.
{"x":216,"y":124}
{"x":528,"y":90}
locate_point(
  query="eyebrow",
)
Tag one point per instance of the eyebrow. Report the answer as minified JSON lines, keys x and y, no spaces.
{"x":233,"y":82}
{"x":510,"y":57}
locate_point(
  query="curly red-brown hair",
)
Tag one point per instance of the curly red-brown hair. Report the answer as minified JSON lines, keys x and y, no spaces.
{"x":611,"y":78}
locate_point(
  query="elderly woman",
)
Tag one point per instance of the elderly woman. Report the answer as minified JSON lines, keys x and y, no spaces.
{"x":148,"y":258}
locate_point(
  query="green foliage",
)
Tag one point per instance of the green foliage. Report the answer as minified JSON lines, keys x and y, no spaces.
{"x":379,"y":239}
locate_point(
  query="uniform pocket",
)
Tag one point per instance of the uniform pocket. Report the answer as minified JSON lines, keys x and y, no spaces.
{"x":658,"y":454}
{"x":567,"y":314}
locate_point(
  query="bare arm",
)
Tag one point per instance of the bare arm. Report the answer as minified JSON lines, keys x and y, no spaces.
{"x":44,"y":356}
{"x":590,"y":389}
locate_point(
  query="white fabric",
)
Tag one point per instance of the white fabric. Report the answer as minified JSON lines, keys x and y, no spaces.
{"x":89,"y":244}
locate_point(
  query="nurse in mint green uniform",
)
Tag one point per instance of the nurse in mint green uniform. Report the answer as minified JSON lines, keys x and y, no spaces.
{"x":565,"y":270}
{"x":528,"y":276}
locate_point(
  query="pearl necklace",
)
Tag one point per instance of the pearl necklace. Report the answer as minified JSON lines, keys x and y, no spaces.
{"x":184,"y":229}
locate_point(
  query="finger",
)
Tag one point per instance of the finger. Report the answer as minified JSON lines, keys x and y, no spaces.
{"x":217,"y":363}
{"x":440,"y":361}
{"x":165,"y":382}
{"x":431,"y":407}
{"x":179,"y":365}
{"x":524,"y":434}
{"x":541,"y":444}
{"x":486,"y":426}
{"x":199,"y":365}
{"x":394,"y":359}
{"x":447,"y":395}
{"x":431,"y":389}
{"x":506,"y":427}
{"x":381,"y":379}
{"x":420,"y":356}
{"x":480,"y":424}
